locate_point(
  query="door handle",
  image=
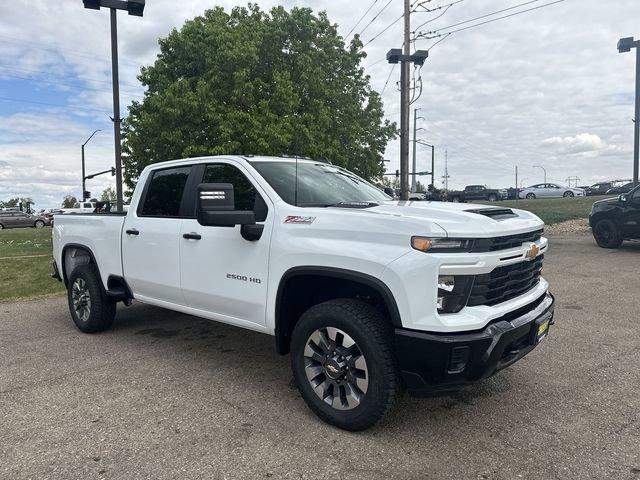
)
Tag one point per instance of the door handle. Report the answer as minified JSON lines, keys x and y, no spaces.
{"x":132,"y":231}
{"x":191,"y":236}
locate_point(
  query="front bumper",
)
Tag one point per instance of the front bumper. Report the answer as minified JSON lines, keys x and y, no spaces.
{"x":435,"y":362}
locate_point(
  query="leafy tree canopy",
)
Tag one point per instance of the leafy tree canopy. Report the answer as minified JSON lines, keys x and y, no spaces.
{"x":108,"y":194}
{"x":15,"y":202}
{"x":69,"y":201}
{"x":252,"y":82}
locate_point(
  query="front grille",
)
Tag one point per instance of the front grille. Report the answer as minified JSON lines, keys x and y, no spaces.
{"x":505,"y":283}
{"x":504,"y":243}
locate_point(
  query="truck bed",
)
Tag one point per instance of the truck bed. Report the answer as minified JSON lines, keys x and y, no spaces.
{"x":99,"y":232}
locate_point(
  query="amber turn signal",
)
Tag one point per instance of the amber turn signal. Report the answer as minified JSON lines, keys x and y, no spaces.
{"x":421,"y":243}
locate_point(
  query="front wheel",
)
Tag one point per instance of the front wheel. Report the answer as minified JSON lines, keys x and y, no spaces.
{"x":568,"y":194}
{"x":91,"y":309}
{"x":606,"y":234}
{"x":493,"y":198}
{"x":39,"y":224}
{"x":531,"y":196}
{"x":455,"y":199}
{"x":343,"y":363}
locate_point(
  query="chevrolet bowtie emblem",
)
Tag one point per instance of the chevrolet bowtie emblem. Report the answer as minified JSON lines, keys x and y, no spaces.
{"x":532,"y":253}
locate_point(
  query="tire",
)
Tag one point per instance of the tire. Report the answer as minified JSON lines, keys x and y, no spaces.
{"x":568,"y":194}
{"x":455,"y":199}
{"x":39,"y":224}
{"x":91,"y":309}
{"x":493,"y":198}
{"x":358,"y":381}
{"x":606,"y":234}
{"x":531,"y":196}
{"x":1,"y":226}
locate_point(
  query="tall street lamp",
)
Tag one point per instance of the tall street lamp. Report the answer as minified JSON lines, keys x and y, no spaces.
{"x":625,"y":45}
{"x":544,"y":170}
{"x":84,"y":178}
{"x":433,"y":160}
{"x":136,"y":8}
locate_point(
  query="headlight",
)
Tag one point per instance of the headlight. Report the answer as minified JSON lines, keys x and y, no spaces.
{"x":453,"y":292}
{"x":425,"y":244}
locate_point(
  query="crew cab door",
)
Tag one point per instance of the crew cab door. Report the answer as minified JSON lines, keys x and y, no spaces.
{"x":151,"y":237}
{"x":630,"y":220}
{"x":222,"y":273}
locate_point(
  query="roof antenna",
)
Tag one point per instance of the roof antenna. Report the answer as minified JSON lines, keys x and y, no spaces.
{"x":295,"y":202}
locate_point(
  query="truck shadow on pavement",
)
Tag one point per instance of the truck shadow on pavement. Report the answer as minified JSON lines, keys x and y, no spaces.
{"x":249,"y":361}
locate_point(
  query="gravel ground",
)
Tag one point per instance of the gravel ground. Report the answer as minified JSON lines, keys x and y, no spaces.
{"x":570,"y":227}
{"x":167,"y":396}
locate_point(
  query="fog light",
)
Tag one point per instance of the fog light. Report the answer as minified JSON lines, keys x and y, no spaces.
{"x":446,"y":283}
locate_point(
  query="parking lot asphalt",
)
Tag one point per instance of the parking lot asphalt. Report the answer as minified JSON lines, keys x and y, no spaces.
{"x":164,"y":395}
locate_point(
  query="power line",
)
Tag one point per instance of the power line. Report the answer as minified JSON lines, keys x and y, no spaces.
{"x":376,"y":17}
{"x":388,"y":78}
{"x":65,"y":84}
{"x":66,"y":107}
{"x":40,"y":72}
{"x":440,"y":7}
{"x":362,"y":18}
{"x":383,"y":31}
{"x":434,"y":34}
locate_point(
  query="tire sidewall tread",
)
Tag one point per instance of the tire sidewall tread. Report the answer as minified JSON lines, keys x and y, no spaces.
{"x":374,"y":336}
{"x":103,"y":308}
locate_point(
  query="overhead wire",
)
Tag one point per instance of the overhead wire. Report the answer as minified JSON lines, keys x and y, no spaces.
{"x":375,"y":17}
{"x":361,"y":18}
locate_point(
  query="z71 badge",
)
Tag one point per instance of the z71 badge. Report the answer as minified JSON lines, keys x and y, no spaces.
{"x":298,"y":219}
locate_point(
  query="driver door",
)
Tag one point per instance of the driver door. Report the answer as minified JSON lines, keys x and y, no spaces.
{"x":221,"y":273}
{"x":631,"y":216}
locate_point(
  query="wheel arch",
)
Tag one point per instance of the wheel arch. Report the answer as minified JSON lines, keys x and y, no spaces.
{"x":74,"y":255}
{"x":317,"y":284}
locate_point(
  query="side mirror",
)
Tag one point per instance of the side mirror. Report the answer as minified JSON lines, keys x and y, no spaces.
{"x":622,"y":198}
{"x":216,"y":207}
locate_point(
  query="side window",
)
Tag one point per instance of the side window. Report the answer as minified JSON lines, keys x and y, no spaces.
{"x":245,"y":194}
{"x":164,"y":192}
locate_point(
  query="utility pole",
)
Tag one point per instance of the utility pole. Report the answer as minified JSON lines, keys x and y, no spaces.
{"x":517,"y":193}
{"x":404,"y":113}
{"x":404,"y":57}
{"x":446,"y":170}
{"x":544,"y":170}
{"x":572,"y":181}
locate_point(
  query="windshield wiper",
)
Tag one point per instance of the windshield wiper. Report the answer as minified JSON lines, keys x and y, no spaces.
{"x":353,"y":205}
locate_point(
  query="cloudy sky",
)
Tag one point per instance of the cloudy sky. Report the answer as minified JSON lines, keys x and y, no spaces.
{"x":546,"y":87}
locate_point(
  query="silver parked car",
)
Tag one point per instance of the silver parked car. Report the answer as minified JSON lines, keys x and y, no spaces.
{"x":550,"y":190}
{"x":21,"y":219}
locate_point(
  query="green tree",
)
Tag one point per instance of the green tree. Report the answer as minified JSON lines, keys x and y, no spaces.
{"x":108,"y":194}
{"x":14,"y":202}
{"x":69,"y":201}
{"x":252,"y":82}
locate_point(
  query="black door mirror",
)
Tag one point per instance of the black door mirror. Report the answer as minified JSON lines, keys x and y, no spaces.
{"x":216,"y":207}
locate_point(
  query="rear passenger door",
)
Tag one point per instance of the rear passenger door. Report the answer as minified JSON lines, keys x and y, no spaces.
{"x":151,"y":237}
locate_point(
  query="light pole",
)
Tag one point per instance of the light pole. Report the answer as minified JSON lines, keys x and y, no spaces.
{"x":625,"y":45}
{"x":83,"y":168}
{"x":415,"y":140}
{"x":136,"y":8}
{"x":433,"y":158}
{"x":544,"y":170}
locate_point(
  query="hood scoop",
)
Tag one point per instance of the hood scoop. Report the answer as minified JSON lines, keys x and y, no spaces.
{"x":494,"y":213}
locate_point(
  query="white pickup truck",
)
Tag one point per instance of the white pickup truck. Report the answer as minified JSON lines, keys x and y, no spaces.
{"x":370,"y":296}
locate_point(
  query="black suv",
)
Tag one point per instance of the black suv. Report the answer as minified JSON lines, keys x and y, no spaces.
{"x":616,"y":219}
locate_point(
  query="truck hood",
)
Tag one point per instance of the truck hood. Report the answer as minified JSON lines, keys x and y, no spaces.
{"x":460,"y":219}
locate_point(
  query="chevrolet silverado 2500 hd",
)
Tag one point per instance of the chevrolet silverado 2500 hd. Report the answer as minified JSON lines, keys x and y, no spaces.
{"x":369,"y":296}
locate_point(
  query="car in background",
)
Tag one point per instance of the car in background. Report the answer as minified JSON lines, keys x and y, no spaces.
{"x":550,"y":190}
{"x":477,"y":192}
{"x":619,"y":190}
{"x":81,"y":207}
{"x":600,"y":188}
{"x":21,"y":220}
{"x":614,"y":220}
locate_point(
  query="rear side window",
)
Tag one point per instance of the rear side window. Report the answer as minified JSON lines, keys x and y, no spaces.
{"x":164,"y":193}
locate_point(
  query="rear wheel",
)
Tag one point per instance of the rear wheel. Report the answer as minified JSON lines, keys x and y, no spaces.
{"x":607,"y":234}
{"x":531,"y":196}
{"x":39,"y":224}
{"x":91,"y":309}
{"x":568,"y":194}
{"x":455,"y":199}
{"x":343,"y":363}
{"x":492,"y":198}
{"x":1,"y":226}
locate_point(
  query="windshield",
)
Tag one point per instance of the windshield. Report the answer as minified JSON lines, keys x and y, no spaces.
{"x":319,"y":184}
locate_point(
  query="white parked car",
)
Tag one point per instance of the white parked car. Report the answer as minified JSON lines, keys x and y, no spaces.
{"x":367,"y":294}
{"x":550,"y":190}
{"x":80,"y":207}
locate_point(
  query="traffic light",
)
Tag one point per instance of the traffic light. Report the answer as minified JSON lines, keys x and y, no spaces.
{"x":113,"y":171}
{"x":397,"y":173}
{"x":86,"y":195}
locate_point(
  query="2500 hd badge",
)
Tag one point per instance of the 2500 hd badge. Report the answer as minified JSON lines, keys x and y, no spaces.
{"x":244,"y":278}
